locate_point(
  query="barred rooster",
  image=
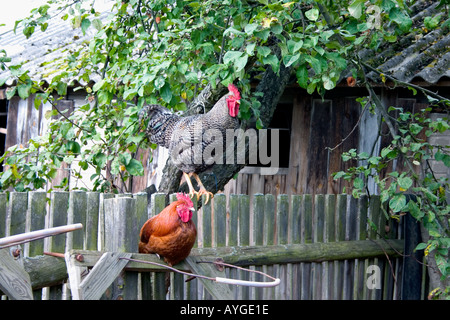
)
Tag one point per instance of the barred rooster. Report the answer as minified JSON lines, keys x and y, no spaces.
{"x":187,"y":138}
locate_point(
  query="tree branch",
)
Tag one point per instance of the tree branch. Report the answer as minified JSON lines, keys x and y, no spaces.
{"x":272,"y":86}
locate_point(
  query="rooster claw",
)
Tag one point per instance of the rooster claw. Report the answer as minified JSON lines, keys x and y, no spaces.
{"x":199,"y":193}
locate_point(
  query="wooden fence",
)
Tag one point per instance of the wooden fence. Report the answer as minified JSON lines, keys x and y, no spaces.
{"x":320,"y":247}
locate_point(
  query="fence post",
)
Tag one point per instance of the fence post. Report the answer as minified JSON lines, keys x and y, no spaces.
{"x":121,"y":235}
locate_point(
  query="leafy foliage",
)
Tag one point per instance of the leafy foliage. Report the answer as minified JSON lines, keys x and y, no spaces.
{"x":167,"y":51}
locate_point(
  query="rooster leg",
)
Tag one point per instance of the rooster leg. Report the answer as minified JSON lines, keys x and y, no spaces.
{"x":202,"y":189}
{"x":189,"y":183}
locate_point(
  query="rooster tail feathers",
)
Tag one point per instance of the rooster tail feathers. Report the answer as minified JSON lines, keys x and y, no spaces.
{"x":160,"y":123}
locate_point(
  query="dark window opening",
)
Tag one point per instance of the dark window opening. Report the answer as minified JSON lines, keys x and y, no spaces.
{"x":282,"y":121}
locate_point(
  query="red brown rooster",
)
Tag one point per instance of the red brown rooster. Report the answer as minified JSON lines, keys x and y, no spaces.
{"x":181,"y":134}
{"x":171,"y":233}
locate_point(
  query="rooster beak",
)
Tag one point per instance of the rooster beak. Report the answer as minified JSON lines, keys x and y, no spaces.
{"x":192,"y":209}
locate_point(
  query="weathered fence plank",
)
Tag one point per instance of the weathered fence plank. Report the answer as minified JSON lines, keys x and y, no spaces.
{"x":3,"y":213}
{"x":18,"y":205}
{"x":159,"y":279}
{"x":35,"y":221}
{"x":122,"y":236}
{"x":77,"y":214}
{"x":92,"y":217}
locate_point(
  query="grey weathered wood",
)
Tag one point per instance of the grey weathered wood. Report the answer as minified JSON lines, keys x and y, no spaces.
{"x":258,"y":235}
{"x":329,"y":236}
{"x":101,"y":219}
{"x":92,"y":216}
{"x":59,"y":203}
{"x":206,"y":223}
{"x":45,"y":271}
{"x":105,"y":271}
{"x":77,"y":214}
{"x":58,"y":216}
{"x":122,"y":235}
{"x":16,"y":222}
{"x":3,"y":213}
{"x":37,"y":211}
{"x":220,"y":220}
{"x":282,"y":218}
{"x":233,"y":205}
{"x":269,"y":236}
{"x":244,"y":238}
{"x":218,"y":291}
{"x":14,"y":280}
{"x":159,"y":279}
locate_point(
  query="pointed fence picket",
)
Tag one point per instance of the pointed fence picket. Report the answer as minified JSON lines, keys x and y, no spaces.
{"x":239,"y":221}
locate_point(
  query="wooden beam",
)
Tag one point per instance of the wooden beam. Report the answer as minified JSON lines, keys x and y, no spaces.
{"x":105,"y":271}
{"x":266,"y":255}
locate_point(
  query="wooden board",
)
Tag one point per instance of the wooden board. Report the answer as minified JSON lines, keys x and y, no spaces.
{"x":14,"y":280}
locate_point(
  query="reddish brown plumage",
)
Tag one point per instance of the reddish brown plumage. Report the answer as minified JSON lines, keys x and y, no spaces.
{"x":167,"y":235}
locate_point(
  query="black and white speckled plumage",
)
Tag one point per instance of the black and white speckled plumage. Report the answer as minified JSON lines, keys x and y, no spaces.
{"x":188,"y":137}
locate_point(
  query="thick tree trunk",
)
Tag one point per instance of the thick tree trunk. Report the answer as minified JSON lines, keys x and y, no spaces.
{"x":272,"y":86}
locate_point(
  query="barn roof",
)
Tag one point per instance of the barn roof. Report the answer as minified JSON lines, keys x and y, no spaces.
{"x":412,"y":58}
{"x":44,"y":49}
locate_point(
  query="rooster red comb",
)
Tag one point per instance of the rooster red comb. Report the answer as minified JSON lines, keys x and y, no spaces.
{"x":185,"y":197}
{"x":234,"y":90}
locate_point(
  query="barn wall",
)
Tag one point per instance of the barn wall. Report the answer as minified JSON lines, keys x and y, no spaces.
{"x":321,"y":130}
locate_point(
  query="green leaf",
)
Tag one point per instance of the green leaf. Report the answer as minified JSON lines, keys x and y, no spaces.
{"x":445,"y":158}
{"x":355,"y":8}
{"x":273,"y":61}
{"x":302,"y":76}
{"x":358,"y":183}
{"x":421,"y":246}
{"x":231,"y":56}
{"x":294,"y":46}
{"x":405,"y":182}
{"x":328,"y":84}
{"x":241,"y":62}
{"x":263,"y":51}
{"x":98,"y":85}
{"x":10,"y":92}
{"x":401,"y":19}
{"x":166,"y":93}
{"x":73,"y":146}
{"x":24,"y":90}
{"x":100,"y":160}
{"x":61,"y":88}
{"x":135,"y":168}
{"x":250,"y":28}
{"x":85,"y":24}
{"x":289,"y":60}
{"x":97,"y":24}
{"x":312,"y":14}
{"x":397,"y":202}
